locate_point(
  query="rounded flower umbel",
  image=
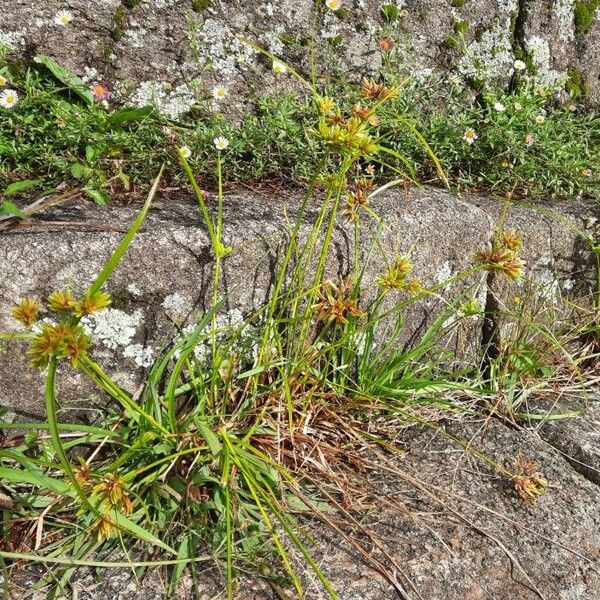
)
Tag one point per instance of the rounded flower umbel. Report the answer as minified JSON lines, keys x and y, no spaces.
{"x":396,"y":276}
{"x":63,"y":18}
{"x":112,"y":489}
{"x":503,"y":256}
{"x":336,"y":303}
{"x":61,"y":301}
{"x":333,"y":4}
{"x":27,"y":311}
{"x":9,"y":98}
{"x":58,"y":341}
{"x":91,"y":303}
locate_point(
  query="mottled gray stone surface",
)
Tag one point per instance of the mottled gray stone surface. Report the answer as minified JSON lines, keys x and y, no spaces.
{"x":151,"y":47}
{"x":457,"y":531}
{"x":166,"y":276}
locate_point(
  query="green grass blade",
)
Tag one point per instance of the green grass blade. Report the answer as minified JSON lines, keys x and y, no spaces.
{"x":114,"y":260}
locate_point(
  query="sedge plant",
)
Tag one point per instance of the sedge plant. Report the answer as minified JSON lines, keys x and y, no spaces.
{"x":243,"y":425}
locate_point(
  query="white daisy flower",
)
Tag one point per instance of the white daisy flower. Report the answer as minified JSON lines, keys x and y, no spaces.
{"x":9,"y":98}
{"x":63,"y":18}
{"x":219,"y":92}
{"x":185,"y":152}
{"x":333,"y":4}
{"x":2,"y":81}
{"x":520,"y":65}
{"x":499,"y":107}
{"x":221,"y":143}
{"x":278,"y":67}
{"x":470,"y":135}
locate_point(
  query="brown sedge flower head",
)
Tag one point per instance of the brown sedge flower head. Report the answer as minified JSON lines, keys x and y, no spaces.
{"x":115,"y":494}
{"x":528,"y":481}
{"x":47,"y":343}
{"x":373,"y":120}
{"x":511,"y":241}
{"x":395,"y":276}
{"x":77,"y":344}
{"x":326,"y":105}
{"x":503,"y":260}
{"x":335,"y":117}
{"x":335,"y":303}
{"x":83,"y":473}
{"x":378,"y":92}
{"x":61,"y":301}
{"x":363,"y":184}
{"x":359,"y":197}
{"x":91,"y":303}
{"x":414,"y":287}
{"x":60,"y":341}
{"x":105,"y":527}
{"x":351,"y":210}
{"x":26,"y":311}
{"x":360,"y":111}
{"x":385,"y":44}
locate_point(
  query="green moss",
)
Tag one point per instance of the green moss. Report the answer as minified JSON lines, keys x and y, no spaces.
{"x":130,"y":3}
{"x":119,"y":21}
{"x":200,"y":5}
{"x":585,"y":11}
{"x":458,"y":3}
{"x":390,"y":12}
{"x":461,"y":27}
{"x":532,"y":68}
{"x":450,"y":42}
{"x":576,"y":86}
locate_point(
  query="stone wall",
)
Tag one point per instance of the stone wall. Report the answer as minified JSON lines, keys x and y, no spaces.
{"x":166,"y":276}
{"x":174,"y":51}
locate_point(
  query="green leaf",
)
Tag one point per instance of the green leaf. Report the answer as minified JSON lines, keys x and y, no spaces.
{"x":210,"y":437}
{"x":81,"y":171}
{"x":70,"y":80}
{"x":10,"y":208}
{"x":20,"y":186}
{"x":128,"y":525}
{"x":129,"y":114}
{"x":100,"y":197}
{"x":76,"y":427}
{"x":114,"y":260}
{"x":35,"y":479}
{"x":91,"y":153}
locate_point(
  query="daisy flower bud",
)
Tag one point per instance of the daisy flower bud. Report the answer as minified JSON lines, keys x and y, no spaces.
{"x":185,"y":152}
